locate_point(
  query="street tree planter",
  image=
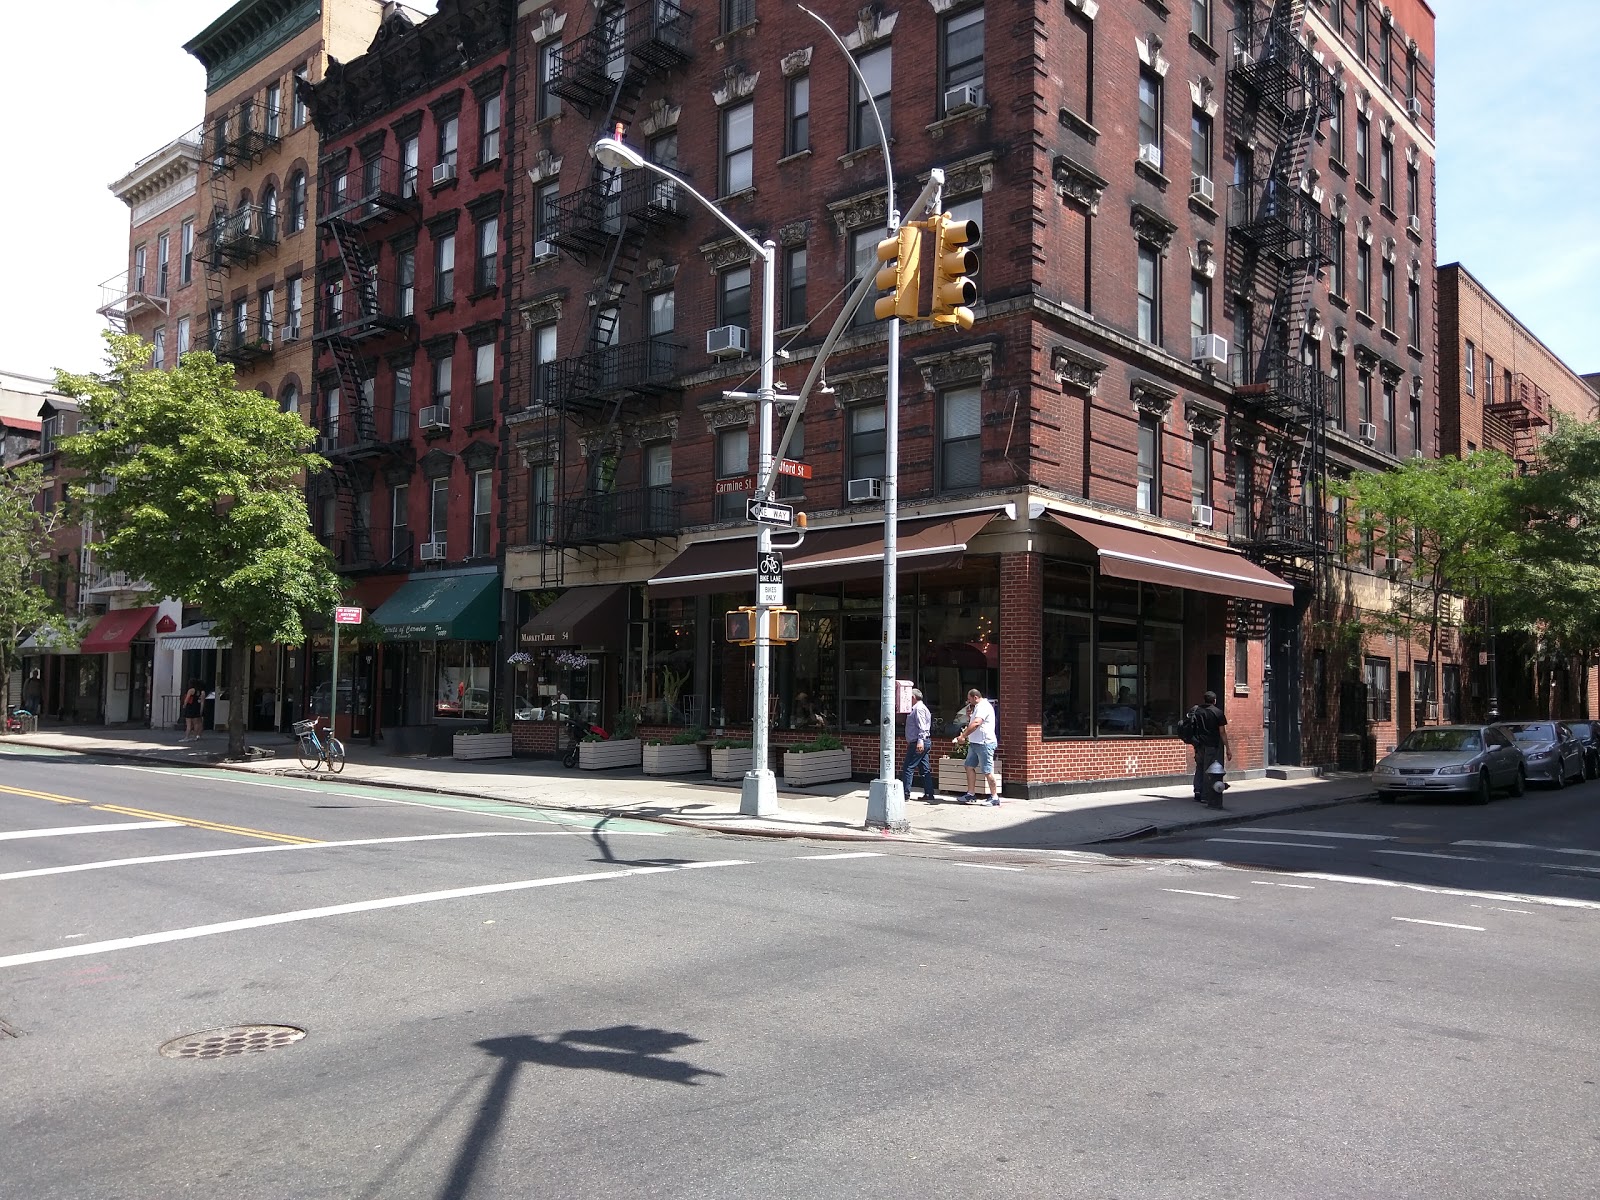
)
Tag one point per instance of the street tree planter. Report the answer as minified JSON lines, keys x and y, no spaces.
{"x":603,"y":756}
{"x":480,"y":745}
{"x":803,"y":769}
{"x":953,"y":775}
{"x":733,"y":762}
{"x":674,"y":759}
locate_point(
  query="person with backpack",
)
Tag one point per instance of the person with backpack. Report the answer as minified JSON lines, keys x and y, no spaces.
{"x":1206,"y":729}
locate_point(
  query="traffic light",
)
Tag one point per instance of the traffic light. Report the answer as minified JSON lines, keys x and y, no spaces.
{"x":741,"y":626}
{"x":900,"y":279}
{"x":783,"y":626}
{"x":954,"y":263}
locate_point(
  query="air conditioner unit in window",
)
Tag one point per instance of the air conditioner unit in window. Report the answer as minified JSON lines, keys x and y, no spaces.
{"x":1210,"y":348}
{"x":543,"y":248}
{"x":1432,"y":710}
{"x":1150,"y":155}
{"x":1414,"y":223}
{"x":444,"y":172}
{"x":434,"y":416}
{"x":1414,"y":106}
{"x":1242,"y":57}
{"x":326,"y":444}
{"x":962,"y":97}
{"x":727,"y":341}
{"x":860,"y":491}
{"x":1201,"y":186}
{"x":1204,"y":515}
{"x":431,"y":552}
{"x":1367,"y":432}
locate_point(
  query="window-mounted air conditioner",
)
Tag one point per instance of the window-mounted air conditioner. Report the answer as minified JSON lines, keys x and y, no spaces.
{"x":431,"y":552}
{"x":1414,"y":106}
{"x":1150,"y":155}
{"x":861,"y":491}
{"x":434,"y":416}
{"x":1202,"y":187}
{"x":1391,"y":566}
{"x":1432,"y":710}
{"x":1414,"y":223}
{"x":543,"y":248}
{"x":1242,"y":56}
{"x":727,"y":341}
{"x":962,"y":97}
{"x":326,"y":444}
{"x":1204,"y":515}
{"x":444,"y":172}
{"x":1367,"y":432}
{"x":1210,"y":348}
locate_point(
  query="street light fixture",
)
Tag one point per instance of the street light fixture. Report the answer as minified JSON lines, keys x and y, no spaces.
{"x":759,"y":794}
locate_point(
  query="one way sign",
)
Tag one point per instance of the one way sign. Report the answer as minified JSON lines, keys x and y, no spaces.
{"x":769,"y":580}
{"x":769,"y":512}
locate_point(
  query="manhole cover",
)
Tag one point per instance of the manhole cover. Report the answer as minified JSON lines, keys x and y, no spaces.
{"x":239,"y":1039}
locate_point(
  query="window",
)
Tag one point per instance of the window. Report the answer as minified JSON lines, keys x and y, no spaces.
{"x":1363,"y":147}
{"x":1341,"y":415}
{"x":488,"y":256}
{"x":1386,"y":173}
{"x":1416,"y":423}
{"x":183,"y":337}
{"x":1150,"y":113}
{"x":733,"y":465}
{"x":738,"y":148}
{"x":410,"y":150}
{"x":328,"y":520}
{"x":274,"y":110}
{"x":544,"y":354}
{"x":545,"y":211}
{"x":961,"y":439}
{"x":1375,"y":673}
{"x":163,"y":263}
{"x":406,"y":282}
{"x":1200,"y":143}
{"x":1200,"y":19}
{"x":214,"y":329}
{"x":867,"y":441}
{"x":1200,"y":483}
{"x":798,"y":133}
{"x":331,"y":403}
{"x":141,"y":275}
{"x":1242,"y":355}
{"x":549,"y":68}
{"x":875,"y":69}
{"x":400,"y":410}
{"x":1472,"y":371}
{"x":399,"y":520}
{"x":297,"y":202}
{"x":1488,"y":381}
{"x":733,"y":297}
{"x":1360,"y":34}
{"x":269,"y":213}
{"x":1366,"y":397}
{"x":489,"y":130}
{"x":482,"y":518}
{"x":1199,"y":306}
{"x":736,"y":14}
{"x":439,"y":510}
{"x":1336,"y":266}
{"x":1241,"y":661}
{"x":1149,"y":289}
{"x":1148,"y":494}
{"x":299,"y":115}
{"x":442,"y":370}
{"x":1387,"y":276}
{"x":264,"y":316}
{"x":444,"y":269}
{"x":794,"y":286}
{"x":661,"y":318}
{"x":1390,"y":441}
{"x":289,"y":401}
{"x":864,"y":252}
{"x":1364,"y":275}
{"x":1336,"y":126}
{"x":293,"y":297}
{"x":962,"y":49}
{"x":449,"y":132}
{"x":541,"y":502}
{"x":1414,"y":311}
{"x":483,"y":382}
{"x":186,"y":251}
{"x":1413,"y":188}
{"x":241,"y":322}
{"x":158,"y":352}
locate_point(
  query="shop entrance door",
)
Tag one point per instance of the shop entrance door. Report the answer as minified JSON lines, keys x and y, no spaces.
{"x":1283,"y":685}
{"x":141,"y":679}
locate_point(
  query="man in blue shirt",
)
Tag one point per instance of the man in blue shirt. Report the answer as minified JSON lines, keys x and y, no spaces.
{"x":919,"y":741}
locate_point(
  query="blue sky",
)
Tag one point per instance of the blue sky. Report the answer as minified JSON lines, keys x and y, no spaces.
{"x":1518,"y":159}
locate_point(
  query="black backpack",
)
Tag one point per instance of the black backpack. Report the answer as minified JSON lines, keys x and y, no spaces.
{"x":1189,"y":727}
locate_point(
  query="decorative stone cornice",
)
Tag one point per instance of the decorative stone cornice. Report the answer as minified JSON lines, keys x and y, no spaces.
{"x":860,"y":386}
{"x":1077,"y":184}
{"x":658,"y":274}
{"x":540,"y":449}
{"x":549,"y":25}
{"x":661,"y":116}
{"x":965,"y":364}
{"x":479,"y":455}
{"x":1366,"y":359}
{"x":398,"y":473}
{"x":1203,"y":258}
{"x":1151,"y":227}
{"x":1202,"y":420}
{"x":796,"y":62}
{"x":654,"y":429}
{"x":542,"y":310}
{"x":1088,"y":9}
{"x":871,"y":28}
{"x":436,"y":464}
{"x":1203,"y":94}
{"x":1149,"y":51}
{"x":725,"y":252}
{"x":795,"y":233}
{"x":737,"y":83}
{"x":1075,"y":369}
{"x":1152,"y":398}
{"x":1341,"y":339}
{"x":722,"y":414}
{"x":861,"y":211}
{"x":975,"y":174}
{"x":545,"y":166}
{"x":600,"y":442}
{"x":1392,"y":372}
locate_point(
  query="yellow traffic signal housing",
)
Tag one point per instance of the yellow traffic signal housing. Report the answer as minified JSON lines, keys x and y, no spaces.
{"x":900,"y":279}
{"x":783,"y":626}
{"x":954,"y":263}
{"x":741,"y":626}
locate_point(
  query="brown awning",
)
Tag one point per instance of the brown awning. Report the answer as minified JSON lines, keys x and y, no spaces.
{"x":1151,"y":558}
{"x":580,"y":616}
{"x":826,"y":556}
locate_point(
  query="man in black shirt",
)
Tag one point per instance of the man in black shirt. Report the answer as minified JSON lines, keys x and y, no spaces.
{"x":1210,"y":746}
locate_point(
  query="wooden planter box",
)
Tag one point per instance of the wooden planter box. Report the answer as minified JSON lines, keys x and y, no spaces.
{"x":953,"y":775}
{"x":732,"y":763}
{"x":602,"y":756}
{"x":674,"y":760}
{"x":480,"y":745}
{"x":818,"y":766}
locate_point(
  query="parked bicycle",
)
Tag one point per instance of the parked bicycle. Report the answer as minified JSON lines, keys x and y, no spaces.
{"x":578,"y":731}
{"x":315,"y":751}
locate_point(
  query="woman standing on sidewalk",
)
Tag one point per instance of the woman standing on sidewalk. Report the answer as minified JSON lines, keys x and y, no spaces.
{"x":193,"y":708}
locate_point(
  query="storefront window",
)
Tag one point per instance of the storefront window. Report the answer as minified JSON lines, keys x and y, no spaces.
{"x":958,"y":639}
{"x":732,"y":667}
{"x":808,"y":671}
{"x":463,"y":677}
{"x":668,"y":656}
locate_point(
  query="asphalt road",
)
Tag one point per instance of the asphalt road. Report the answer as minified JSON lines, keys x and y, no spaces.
{"x":500,"y":1002}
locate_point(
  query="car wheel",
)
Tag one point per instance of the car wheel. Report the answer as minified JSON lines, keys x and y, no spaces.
{"x":1484,"y":793}
{"x":1589,"y":769}
{"x":1559,"y":777}
{"x":1519,"y":782}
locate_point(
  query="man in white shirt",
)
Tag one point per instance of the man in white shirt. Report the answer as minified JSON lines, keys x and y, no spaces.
{"x":981,"y":739}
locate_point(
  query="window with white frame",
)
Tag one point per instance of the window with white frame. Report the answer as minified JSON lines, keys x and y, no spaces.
{"x":400,"y":410}
{"x":488,"y":275}
{"x":733,"y":297}
{"x":410,"y":157}
{"x":183,"y":337}
{"x":1148,"y":288}
{"x":541,"y":502}
{"x":443,"y":369}
{"x":489,"y":129}
{"x":876,"y":68}
{"x":1200,"y":128}
{"x":1199,"y":305}
{"x":483,"y":382}
{"x":794,"y":286}
{"x":449,"y":134}
{"x":274,"y":110}
{"x":544,"y":356}
{"x":399,"y":520}
{"x":1200,"y":470}
{"x":439,"y":510}
{"x":444,"y":269}
{"x":864,"y":254}
{"x":1150,"y":114}
{"x":961,"y":438}
{"x":1472,"y":370}
{"x":868,"y":441}
{"x":299,"y":114}
{"x":961,"y":54}
{"x":264,"y":316}
{"x":158,"y":352}
{"x":738,"y":148}
{"x":1148,"y":491}
{"x":549,"y":68}
{"x":406,"y":282}
{"x":186,"y":251}
{"x":482,"y":516}
{"x":733,"y":463}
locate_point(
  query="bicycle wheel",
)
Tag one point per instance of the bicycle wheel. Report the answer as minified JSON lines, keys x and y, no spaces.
{"x":335,"y":755}
{"x":310,"y":754}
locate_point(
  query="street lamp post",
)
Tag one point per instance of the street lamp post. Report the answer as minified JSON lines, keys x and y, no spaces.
{"x":759,"y":795}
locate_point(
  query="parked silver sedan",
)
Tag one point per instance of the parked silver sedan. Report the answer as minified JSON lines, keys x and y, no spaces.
{"x":1551,"y":751}
{"x":1463,"y":760}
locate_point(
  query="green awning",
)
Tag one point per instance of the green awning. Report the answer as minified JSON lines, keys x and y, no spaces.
{"x":438,"y":608}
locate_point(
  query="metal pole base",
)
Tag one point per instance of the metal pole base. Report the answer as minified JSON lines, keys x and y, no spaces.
{"x":886,"y":806}
{"x":758,"y":796}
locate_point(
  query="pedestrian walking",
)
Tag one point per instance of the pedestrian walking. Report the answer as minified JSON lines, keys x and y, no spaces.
{"x":193,"y":709}
{"x":981,"y":738}
{"x":919,"y":742}
{"x":1206,"y":729}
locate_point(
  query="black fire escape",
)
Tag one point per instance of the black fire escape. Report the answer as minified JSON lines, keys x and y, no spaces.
{"x":607,"y":222}
{"x":235,"y":236}
{"x":1278,"y":249}
{"x":358,"y":310}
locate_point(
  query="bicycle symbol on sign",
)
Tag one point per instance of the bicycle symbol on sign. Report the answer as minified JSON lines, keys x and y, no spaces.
{"x":770,"y":565}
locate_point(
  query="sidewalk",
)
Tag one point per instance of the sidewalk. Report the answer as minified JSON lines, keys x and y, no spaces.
{"x":836,"y":811}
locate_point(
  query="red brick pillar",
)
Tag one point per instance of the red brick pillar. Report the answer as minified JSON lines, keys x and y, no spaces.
{"x":1021,"y":669}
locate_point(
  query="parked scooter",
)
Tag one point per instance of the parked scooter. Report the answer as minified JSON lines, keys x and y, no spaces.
{"x":19,"y":720}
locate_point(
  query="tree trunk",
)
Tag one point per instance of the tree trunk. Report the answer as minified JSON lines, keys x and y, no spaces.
{"x":238,"y":691}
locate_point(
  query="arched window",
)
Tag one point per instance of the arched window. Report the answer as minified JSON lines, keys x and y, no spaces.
{"x":289,"y":399}
{"x":297,"y":201}
{"x":269,"y":211}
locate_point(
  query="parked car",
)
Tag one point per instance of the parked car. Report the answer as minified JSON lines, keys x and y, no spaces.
{"x":1552,"y":754}
{"x":1588,"y":735}
{"x":1461,"y":760}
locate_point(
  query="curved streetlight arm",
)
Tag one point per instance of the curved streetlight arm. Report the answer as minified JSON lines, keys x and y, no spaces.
{"x":614,"y":153}
{"x":877,"y":117}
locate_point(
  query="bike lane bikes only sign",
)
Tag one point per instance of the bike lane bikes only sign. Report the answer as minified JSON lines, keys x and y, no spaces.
{"x":769,"y":580}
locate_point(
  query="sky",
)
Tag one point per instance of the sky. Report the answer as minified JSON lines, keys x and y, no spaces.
{"x":1518,"y":159}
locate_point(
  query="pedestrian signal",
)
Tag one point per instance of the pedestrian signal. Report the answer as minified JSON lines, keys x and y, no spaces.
{"x":783,"y":626}
{"x":955,"y":261}
{"x":741,"y":626}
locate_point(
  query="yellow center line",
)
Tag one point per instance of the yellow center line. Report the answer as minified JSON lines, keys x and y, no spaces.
{"x":16,"y":791}
{"x":215,"y":826}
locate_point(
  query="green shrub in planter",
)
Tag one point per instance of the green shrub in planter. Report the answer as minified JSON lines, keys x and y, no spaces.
{"x":732,"y":744}
{"x":823,"y":741}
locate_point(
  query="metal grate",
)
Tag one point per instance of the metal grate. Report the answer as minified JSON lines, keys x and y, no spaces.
{"x":238,"y":1039}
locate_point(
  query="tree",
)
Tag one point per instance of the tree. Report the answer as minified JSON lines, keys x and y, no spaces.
{"x":205,"y":501}
{"x":27,"y":548}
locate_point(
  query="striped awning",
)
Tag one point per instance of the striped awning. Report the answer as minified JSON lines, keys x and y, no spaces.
{"x":199,"y":636}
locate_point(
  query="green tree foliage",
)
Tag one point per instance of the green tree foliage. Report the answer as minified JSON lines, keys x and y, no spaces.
{"x":205,"y":500}
{"x":27,"y":547}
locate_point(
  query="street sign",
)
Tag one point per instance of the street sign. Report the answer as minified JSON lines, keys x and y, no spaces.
{"x":768,"y":512}
{"x":769,"y":580}
{"x":743,"y":483}
{"x":789,"y":466}
{"x":347,"y":616}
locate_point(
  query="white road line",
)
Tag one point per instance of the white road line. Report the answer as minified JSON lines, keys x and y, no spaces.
{"x":1530,"y":846}
{"x":1258,"y":842}
{"x":338,"y":910}
{"x":1354,"y":837}
{"x":985,"y":866}
{"x":1441,"y":924}
{"x":831,"y":857}
{"x":422,"y":837}
{"x":63,"y":830}
{"x":1563,"y":867}
{"x":1524,"y":911}
{"x":1213,"y":895}
{"x":1304,"y":887}
{"x":1426,"y":854}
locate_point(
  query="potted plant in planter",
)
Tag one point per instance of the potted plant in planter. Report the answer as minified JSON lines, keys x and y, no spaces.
{"x":731,"y":758}
{"x":821,"y":760}
{"x":953,"y":770}
{"x":680,"y":754}
{"x":480,"y":743}
{"x":621,"y":750}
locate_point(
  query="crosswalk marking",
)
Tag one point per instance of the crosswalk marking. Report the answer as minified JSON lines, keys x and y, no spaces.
{"x":63,"y":830}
